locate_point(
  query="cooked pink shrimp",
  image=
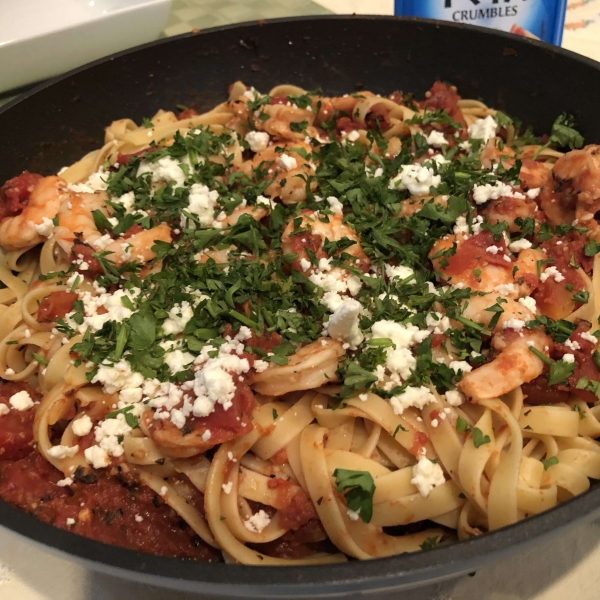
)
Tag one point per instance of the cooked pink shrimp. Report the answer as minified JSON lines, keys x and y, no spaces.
{"x":573,"y":191}
{"x":459,"y":268}
{"x":281,"y":117}
{"x":507,"y":209}
{"x":26,"y":229}
{"x":516,"y":364}
{"x":476,"y":309}
{"x":313,"y":233}
{"x":76,"y":217}
{"x":288,"y":169}
{"x":495,"y":153}
{"x":138,"y":246}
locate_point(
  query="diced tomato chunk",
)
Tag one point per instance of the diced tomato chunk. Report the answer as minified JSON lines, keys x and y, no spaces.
{"x":187,"y":114}
{"x":82,"y":251}
{"x":55,"y":306}
{"x":15,"y":193}
{"x":445,"y":98}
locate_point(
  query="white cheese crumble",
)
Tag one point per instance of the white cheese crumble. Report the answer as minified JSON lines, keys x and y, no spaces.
{"x":178,"y":361}
{"x":417,"y":179}
{"x":436,"y":139}
{"x":572,"y":345}
{"x":399,"y":272}
{"x":227,"y":487}
{"x":67,"y":481}
{"x":165,"y":169}
{"x":483,"y":129}
{"x":337,"y":208}
{"x":97,"y":457}
{"x":552,"y":272}
{"x":427,"y":475}
{"x":437,"y":323}
{"x":82,"y":426}
{"x":529,"y":303}
{"x":289,"y":162}
{"x":516,"y":324}
{"x":202,"y":204}
{"x":506,"y":289}
{"x":489,"y":191}
{"x":353,"y":515}
{"x":460,"y":365}
{"x":63,"y":451}
{"x":4,"y":410}
{"x":399,"y":359}
{"x":257,"y":140}
{"x":568,"y":358}
{"x":214,"y":381}
{"x":257,"y":522}
{"x":45,"y":228}
{"x":519,"y":245}
{"x":586,"y":335}
{"x":343,"y":323}
{"x":178,"y":317}
{"x":21,"y":401}
{"x":454,"y":397}
{"x":416,"y":397}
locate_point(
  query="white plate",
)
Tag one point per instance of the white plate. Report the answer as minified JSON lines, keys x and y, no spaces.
{"x":43,"y":38}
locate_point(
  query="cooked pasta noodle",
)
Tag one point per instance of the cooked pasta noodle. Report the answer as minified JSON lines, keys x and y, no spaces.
{"x":298,"y":329}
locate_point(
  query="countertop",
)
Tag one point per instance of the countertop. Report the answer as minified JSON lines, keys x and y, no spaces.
{"x":562,"y":568}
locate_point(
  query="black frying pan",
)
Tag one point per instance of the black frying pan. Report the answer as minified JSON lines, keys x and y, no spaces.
{"x":60,"y":121}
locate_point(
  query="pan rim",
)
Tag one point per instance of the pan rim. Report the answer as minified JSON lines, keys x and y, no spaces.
{"x":406,"y":571}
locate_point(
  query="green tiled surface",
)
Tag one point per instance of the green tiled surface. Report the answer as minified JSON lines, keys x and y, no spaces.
{"x":201,"y":14}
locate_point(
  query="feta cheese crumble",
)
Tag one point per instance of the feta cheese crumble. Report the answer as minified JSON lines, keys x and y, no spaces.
{"x":426,"y":476}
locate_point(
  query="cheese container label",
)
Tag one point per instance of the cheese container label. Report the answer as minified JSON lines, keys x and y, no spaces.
{"x":540,"y":19}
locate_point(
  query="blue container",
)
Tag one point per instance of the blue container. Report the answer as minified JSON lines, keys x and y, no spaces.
{"x":543,"y":19}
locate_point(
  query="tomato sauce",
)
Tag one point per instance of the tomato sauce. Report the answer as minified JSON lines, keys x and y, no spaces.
{"x":16,"y":427}
{"x":15,"y":193}
{"x":116,"y":510}
{"x":295,"y":508}
{"x":472,"y":254}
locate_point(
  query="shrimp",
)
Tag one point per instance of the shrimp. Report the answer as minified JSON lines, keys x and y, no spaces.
{"x":281,"y":117}
{"x":77,"y":226}
{"x":138,"y":246}
{"x":476,"y":309}
{"x":476,"y":262}
{"x":515,"y":365}
{"x":256,"y":212}
{"x":507,"y":209}
{"x":312,"y":366}
{"x":533,"y":174}
{"x":413,"y":205}
{"x":525,"y":273}
{"x":22,"y":231}
{"x":313,"y":232}
{"x":573,"y":190}
{"x":288,"y":169}
{"x":496,"y":152}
